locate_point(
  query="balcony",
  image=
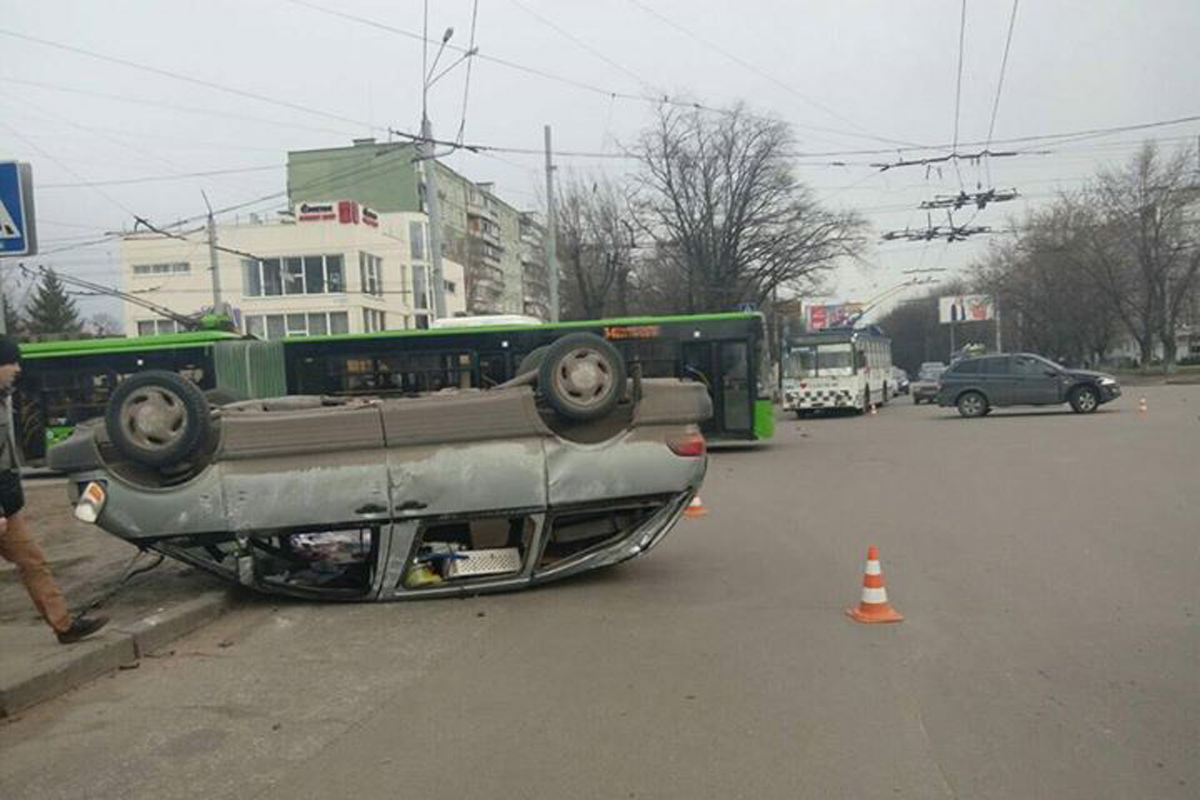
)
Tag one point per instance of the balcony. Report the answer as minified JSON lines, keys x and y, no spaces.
{"x":477,"y":206}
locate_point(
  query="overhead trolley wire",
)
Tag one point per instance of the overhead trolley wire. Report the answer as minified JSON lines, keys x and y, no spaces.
{"x":1000,"y":83}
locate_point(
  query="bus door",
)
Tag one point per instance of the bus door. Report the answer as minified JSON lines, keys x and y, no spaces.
{"x":724,"y":367}
{"x":737,"y":391}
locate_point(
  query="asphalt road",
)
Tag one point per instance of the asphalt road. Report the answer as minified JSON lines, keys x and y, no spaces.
{"x":1047,"y":564}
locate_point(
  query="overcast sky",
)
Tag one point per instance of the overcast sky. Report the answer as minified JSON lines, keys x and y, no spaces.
{"x":849,"y":75}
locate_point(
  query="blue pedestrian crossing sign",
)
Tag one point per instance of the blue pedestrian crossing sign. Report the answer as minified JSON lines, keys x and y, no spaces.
{"x":18,"y":236}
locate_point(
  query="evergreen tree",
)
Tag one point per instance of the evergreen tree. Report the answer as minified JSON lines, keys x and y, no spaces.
{"x":13,"y":324}
{"x":52,"y":311}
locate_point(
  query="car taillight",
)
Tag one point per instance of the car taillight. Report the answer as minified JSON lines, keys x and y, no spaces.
{"x":690,"y":445}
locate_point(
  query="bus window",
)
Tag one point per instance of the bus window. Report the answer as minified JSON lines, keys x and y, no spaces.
{"x":834,"y":358}
{"x":657,"y":358}
{"x":801,"y":363}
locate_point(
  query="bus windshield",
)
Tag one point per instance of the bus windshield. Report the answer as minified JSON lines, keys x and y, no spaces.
{"x":816,"y":360}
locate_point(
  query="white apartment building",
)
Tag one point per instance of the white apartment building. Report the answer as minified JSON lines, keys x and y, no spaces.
{"x":334,"y":267}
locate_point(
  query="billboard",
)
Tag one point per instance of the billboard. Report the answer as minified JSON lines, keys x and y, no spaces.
{"x":966,"y":308}
{"x":833,"y":316}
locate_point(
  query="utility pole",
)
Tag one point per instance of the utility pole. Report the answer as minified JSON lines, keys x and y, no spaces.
{"x":425,"y":154}
{"x":213,"y":260}
{"x":996,"y":302}
{"x":551,"y":234}
{"x":434,"y":205}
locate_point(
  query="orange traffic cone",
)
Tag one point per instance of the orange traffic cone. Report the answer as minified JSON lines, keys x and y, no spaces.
{"x":1142,"y":406}
{"x":874,"y":605}
{"x":695,"y":509}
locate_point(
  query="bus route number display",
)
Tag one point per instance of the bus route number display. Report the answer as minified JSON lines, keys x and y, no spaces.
{"x":632,"y":331}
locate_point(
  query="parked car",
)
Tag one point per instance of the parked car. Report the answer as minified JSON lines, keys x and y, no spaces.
{"x":925,"y":388}
{"x":899,"y":382}
{"x":568,"y":467}
{"x":977,"y":385}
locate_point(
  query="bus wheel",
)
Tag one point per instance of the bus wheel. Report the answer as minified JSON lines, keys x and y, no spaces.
{"x":532,"y":360}
{"x":157,"y":418}
{"x":582,"y":376}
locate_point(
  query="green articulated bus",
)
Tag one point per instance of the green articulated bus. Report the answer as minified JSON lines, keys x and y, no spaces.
{"x":64,"y":383}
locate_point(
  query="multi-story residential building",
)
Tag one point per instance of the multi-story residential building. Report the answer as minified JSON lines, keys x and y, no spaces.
{"x":535,"y":281}
{"x":327,"y":267}
{"x":480,"y":231}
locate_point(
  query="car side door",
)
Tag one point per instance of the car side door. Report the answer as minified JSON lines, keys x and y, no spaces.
{"x":1037,"y":382}
{"x":998,"y":380}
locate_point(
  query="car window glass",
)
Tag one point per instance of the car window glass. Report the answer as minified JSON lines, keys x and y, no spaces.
{"x":995,"y":366}
{"x":1030,"y":367}
{"x":967,"y":367}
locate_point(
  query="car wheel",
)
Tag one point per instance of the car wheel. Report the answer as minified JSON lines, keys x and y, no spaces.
{"x":1084,"y":400}
{"x":581,"y":376}
{"x":157,"y":418}
{"x":532,"y":360}
{"x":972,"y":404}
{"x":916,"y":400}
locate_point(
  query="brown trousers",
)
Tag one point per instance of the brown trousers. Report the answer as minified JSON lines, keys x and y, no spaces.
{"x":17,"y":546}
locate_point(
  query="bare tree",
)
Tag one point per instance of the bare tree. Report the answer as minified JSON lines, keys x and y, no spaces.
{"x":1052,"y":304}
{"x":1146,"y":243}
{"x":104,"y":324}
{"x":726,"y":213}
{"x":596,"y":242}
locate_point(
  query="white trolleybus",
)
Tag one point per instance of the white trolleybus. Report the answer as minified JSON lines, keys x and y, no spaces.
{"x":837,"y":368}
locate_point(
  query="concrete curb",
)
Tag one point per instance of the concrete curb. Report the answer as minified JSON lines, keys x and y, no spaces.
{"x":119,"y":646}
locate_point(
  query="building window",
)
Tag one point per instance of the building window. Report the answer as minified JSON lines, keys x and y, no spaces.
{"x":422,"y":321}
{"x":172,"y":268}
{"x":451,"y":287}
{"x":416,"y":237}
{"x":420,"y":288}
{"x":156,"y":327}
{"x":317,"y":323}
{"x":294,"y":275}
{"x":374,"y":320}
{"x":370,"y":270}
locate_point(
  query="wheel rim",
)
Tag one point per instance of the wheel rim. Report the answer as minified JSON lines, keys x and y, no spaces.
{"x":1086,"y":400}
{"x":154,"y":418}
{"x":584,"y":377}
{"x":972,"y":405}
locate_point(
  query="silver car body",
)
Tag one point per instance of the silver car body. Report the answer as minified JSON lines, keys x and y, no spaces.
{"x":489,"y":472}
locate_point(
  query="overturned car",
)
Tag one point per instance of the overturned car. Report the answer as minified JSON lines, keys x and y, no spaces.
{"x":571,"y":466}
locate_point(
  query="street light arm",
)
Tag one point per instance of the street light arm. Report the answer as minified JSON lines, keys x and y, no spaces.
{"x":441,"y":49}
{"x":461,"y":59}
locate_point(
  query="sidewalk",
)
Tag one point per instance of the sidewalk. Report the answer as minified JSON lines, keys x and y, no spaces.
{"x":148,"y":612}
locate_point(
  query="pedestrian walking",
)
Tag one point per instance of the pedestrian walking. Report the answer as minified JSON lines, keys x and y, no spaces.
{"x":16,"y":543}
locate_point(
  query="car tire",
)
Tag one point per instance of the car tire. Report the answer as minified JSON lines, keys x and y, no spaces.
{"x":532,"y":360}
{"x":1084,"y":399}
{"x":972,"y":404}
{"x":157,"y":418}
{"x":582,"y":377}
{"x":916,"y":400}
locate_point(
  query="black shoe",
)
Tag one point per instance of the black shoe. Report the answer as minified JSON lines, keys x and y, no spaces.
{"x":81,"y":627}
